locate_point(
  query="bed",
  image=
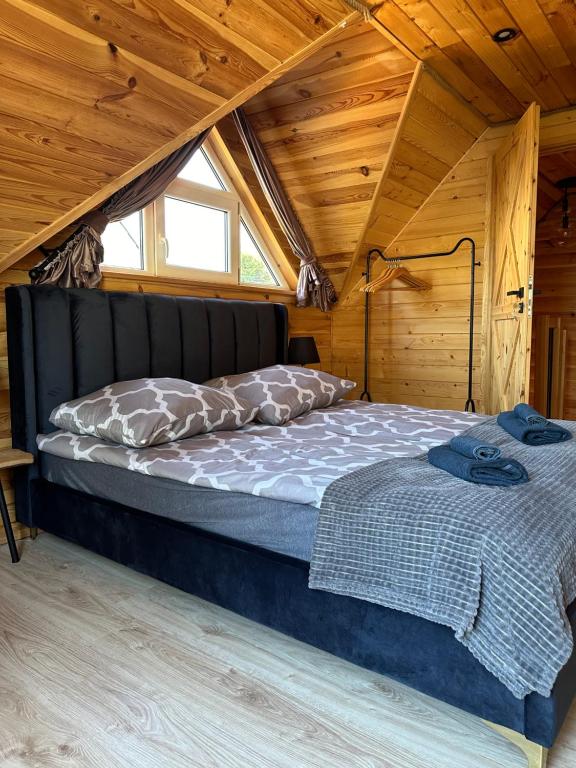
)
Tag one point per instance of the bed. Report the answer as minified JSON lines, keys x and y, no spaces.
{"x":56,"y":355}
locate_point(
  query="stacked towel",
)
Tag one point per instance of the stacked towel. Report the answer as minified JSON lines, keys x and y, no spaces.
{"x":499,"y":471}
{"x":474,"y":448}
{"x":530,"y":427}
{"x":530,"y":415}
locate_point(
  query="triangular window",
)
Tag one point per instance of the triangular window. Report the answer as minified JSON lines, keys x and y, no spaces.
{"x":200,"y":169}
{"x":253,"y":265}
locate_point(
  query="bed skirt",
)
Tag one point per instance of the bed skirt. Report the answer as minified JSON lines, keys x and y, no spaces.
{"x":272,"y":589}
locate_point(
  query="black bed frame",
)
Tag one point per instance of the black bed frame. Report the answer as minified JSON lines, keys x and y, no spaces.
{"x":63,"y":343}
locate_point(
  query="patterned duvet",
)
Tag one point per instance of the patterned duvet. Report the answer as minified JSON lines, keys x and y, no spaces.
{"x":295,"y":462}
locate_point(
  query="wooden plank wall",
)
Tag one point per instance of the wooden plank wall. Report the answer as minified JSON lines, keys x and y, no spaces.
{"x":303,"y":322}
{"x":434,"y":132}
{"x":555,"y":285}
{"x":419,"y":340}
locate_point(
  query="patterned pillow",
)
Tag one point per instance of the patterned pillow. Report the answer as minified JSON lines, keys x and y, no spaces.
{"x":147,"y":412}
{"x":283,"y":392}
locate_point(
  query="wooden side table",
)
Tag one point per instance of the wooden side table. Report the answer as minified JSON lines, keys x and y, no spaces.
{"x":11,"y":457}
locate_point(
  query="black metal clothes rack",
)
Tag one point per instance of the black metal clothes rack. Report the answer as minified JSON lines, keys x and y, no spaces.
{"x":365,"y":395}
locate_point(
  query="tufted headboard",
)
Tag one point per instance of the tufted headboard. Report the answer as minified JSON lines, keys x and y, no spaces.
{"x":64,"y":343}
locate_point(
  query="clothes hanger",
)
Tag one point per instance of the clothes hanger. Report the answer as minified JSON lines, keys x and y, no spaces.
{"x":393,"y":273}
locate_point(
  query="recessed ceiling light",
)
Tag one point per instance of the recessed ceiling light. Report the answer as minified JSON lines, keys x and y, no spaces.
{"x":504,"y":35}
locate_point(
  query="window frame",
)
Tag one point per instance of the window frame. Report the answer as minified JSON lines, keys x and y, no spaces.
{"x":155,"y":243}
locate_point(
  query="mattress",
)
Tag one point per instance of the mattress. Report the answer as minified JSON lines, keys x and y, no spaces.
{"x":294,"y":462}
{"x":280,"y":526}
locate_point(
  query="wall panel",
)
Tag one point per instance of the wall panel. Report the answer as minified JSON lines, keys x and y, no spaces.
{"x":419,"y":340}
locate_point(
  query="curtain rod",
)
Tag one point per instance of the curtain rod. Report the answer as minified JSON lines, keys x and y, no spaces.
{"x":470,"y":404}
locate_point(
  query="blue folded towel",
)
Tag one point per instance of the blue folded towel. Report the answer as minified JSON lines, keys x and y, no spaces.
{"x":532,"y":434}
{"x":474,"y":448}
{"x":530,"y":415}
{"x":496,"y":472}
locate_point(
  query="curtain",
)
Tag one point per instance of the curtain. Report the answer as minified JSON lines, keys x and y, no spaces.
{"x":314,"y":286}
{"x":76,"y":262}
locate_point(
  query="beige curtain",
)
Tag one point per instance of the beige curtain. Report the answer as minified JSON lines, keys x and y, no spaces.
{"x":76,"y":262}
{"x":314,"y":286}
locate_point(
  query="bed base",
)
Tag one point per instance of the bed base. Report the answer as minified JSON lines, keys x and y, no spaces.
{"x":536,"y":754}
{"x":272,"y":590}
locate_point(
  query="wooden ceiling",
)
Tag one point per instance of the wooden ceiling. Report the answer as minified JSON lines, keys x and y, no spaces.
{"x":92,"y":92}
{"x":327,"y":126}
{"x":454,"y":37}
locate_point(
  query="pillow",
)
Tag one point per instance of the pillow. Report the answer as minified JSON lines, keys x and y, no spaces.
{"x":283,"y":392}
{"x":147,"y":412}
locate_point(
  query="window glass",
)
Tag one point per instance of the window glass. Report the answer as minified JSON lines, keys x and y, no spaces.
{"x":253,"y":265}
{"x":123,"y":243}
{"x":197,"y":235}
{"x":201,"y":170}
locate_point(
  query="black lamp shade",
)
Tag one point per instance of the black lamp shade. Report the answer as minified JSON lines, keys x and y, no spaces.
{"x":302,"y":350}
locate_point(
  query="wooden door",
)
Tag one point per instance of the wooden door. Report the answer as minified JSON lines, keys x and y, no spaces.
{"x":509,"y":276}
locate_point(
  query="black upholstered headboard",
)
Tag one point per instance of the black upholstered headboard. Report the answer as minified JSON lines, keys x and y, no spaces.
{"x":64,"y":343}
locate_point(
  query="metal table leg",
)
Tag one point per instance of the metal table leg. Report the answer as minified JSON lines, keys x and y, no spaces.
{"x":8,"y":527}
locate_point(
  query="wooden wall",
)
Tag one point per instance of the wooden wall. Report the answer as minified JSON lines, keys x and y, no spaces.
{"x":555,"y":287}
{"x":419,"y":339}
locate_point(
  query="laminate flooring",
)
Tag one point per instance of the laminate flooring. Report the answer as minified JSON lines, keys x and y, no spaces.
{"x":101,"y":667}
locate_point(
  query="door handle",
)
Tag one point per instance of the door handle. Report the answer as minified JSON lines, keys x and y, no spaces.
{"x":519,"y":293}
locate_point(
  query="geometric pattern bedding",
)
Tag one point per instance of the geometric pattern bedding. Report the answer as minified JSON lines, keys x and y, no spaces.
{"x":293,"y":462}
{"x":283,"y":392}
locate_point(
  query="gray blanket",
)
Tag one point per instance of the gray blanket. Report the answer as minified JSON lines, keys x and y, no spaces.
{"x":497,"y":565}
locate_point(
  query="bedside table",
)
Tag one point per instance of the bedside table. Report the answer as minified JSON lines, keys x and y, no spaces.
{"x":9,"y":458}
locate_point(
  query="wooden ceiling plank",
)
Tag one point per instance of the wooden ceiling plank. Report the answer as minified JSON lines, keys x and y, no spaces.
{"x":535,"y":25}
{"x":367,"y":108}
{"x":453,"y":105}
{"x":154,"y":154}
{"x":473,"y":32}
{"x":525,"y":53}
{"x":343,"y":138}
{"x":23,"y":137}
{"x":310,"y":169}
{"x":26,"y":101}
{"x":369,"y":92}
{"x":428,"y":19}
{"x":396,"y":25}
{"x":315,"y":85}
{"x":29,"y":168}
{"x":61,"y":79}
{"x":167,"y":36}
{"x":356,"y":43}
{"x":34,"y":29}
{"x":562,"y":19}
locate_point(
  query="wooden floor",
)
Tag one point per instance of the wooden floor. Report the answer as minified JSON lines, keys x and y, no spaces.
{"x":102,"y":667}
